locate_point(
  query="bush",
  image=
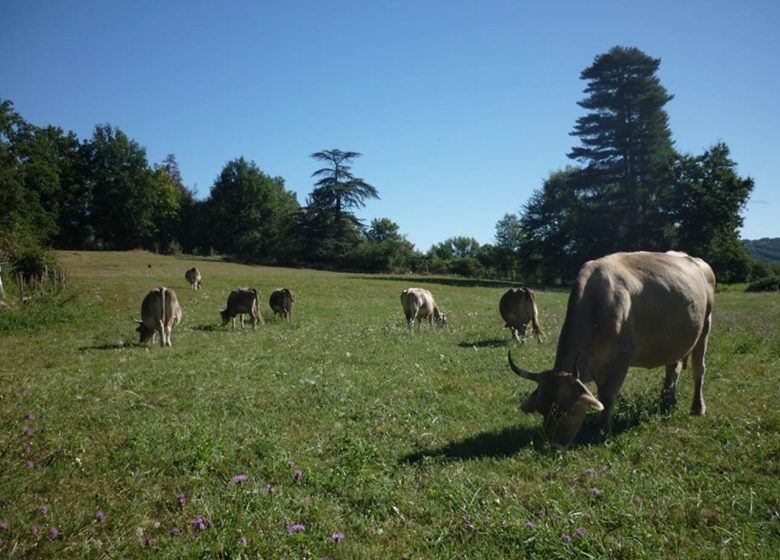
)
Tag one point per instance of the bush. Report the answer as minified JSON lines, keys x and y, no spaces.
{"x":770,"y":284}
{"x":36,"y":270}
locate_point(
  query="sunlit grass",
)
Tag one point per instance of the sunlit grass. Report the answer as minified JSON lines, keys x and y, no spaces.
{"x":411,"y":445}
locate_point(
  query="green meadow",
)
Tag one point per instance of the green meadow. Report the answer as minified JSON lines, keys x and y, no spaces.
{"x":341,"y":434}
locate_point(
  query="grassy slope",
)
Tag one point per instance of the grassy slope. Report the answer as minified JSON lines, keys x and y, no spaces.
{"x":412,"y":446}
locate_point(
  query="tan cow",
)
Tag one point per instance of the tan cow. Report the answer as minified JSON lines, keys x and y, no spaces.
{"x":281,"y":302}
{"x":626,"y":309}
{"x":518,"y":308}
{"x":241,"y":301}
{"x":160,"y":312}
{"x":194,"y":278}
{"x":418,"y":304}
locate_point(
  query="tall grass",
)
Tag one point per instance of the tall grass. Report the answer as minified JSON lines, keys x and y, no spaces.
{"x":409,"y":445}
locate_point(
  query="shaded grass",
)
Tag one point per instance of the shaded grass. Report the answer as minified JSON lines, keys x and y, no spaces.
{"x":412,"y":445}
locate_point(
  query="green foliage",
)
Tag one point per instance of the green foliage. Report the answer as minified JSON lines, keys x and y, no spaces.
{"x":409,"y":444}
{"x":769,"y":284}
{"x":250,"y":214}
{"x":766,"y":249}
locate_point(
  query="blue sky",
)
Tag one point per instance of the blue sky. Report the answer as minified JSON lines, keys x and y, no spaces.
{"x":460,"y":109}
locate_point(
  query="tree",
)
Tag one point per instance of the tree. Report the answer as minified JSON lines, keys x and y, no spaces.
{"x":251,"y":214}
{"x":384,"y":249}
{"x":707,"y":207}
{"x":626,"y":147}
{"x":505,"y":254}
{"x":123,"y":190}
{"x":327,"y":228}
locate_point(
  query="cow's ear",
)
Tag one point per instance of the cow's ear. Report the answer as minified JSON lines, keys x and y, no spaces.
{"x":531,"y":403}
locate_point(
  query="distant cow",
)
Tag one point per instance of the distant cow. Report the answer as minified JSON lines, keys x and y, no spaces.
{"x":518,"y":308}
{"x":243,"y":300}
{"x":193,"y":277}
{"x":282,"y":301}
{"x":419,"y":304}
{"x":626,"y":309}
{"x":160,"y":312}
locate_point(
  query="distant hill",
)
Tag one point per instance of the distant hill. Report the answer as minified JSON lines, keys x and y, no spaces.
{"x":765,"y":249}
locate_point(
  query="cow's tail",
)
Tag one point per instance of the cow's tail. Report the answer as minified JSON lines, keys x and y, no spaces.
{"x":535,"y":317}
{"x":256,"y":305}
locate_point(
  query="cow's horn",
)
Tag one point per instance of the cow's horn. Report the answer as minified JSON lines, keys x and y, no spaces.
{"x":521,"y":372}
{"x":134,"y":320}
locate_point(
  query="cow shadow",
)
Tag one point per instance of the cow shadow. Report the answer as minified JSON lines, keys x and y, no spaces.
{"x":488,"y":343}
{"x":207,"y":328}
{"x":107,"y":347}
{"x":496,"y":444}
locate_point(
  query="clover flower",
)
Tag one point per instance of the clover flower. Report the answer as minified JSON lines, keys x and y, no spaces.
{"x":337,"y":536}
{"x":199,"y":524}
{"x":30,"y":464}
{"x":566,"y":538}
{"x":529,"y":524}
{"x":579,"y":533}
{"x":174,"y":531}
{"x":269,"y":487}
{"x":100,"y":516}
{"x":182,"y":499}
{"x":296,"y":528}
{"x":596,"y":491}
{"x":239,"y":478}
{"x":298,"y":474}
{"x":53,"y":533}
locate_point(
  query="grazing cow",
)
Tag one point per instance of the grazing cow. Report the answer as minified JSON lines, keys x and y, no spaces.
{"x":243,"y":300}
{"x":518,"y":308}
{"x":418,"y":304}
{"x":626,"y":309}
{"x":281,"y":302}
{"x":194,"y":278}
{"x":160,"y":312}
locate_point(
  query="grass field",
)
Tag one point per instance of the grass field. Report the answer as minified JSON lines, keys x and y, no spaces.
{"x":342,"y":435}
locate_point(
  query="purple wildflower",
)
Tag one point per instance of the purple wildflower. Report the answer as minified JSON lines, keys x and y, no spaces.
{"x":579,"y":533}
{"x":529,"y":524}
{"x":566,"y":538}
{"x":590,"y":471}
{"x":30,"y":464}
{"x":2,"y":543}
{"x":100,"y":516}
{"x":199,"y":523}
{"x":181,"y":499}
{"x":174,"y":531}
{"x":239,"y":478}
{"x":43,"y":510}
{"x":596,"y":491}
{"x":242,"y":540}
{"x":30,"y":416}
{"x":34,"y":529}
{"x":53,"y":533}
{"x":291,"y":463}
{"x":269,"y":488}
{"x":297,"y":528}
{"x":3,"y":525}
{"x":337,"y":537}
{"x":28,"y":431}
{"x":298,"y":474}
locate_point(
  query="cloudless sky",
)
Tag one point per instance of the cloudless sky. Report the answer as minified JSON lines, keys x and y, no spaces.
{"x":460,"y":108}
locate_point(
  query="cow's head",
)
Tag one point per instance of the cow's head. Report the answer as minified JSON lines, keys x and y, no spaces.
{"x":440,"y":316}
{"x":225,"y":317}
{"x":562,"y":399}
{"x":145,"y":332}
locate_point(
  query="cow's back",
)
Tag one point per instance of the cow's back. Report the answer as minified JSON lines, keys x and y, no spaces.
{"x":156,"y":308}
{"x":650,"y":306}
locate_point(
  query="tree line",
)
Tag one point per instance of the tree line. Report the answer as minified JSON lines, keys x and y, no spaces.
{"x":628,"y":188}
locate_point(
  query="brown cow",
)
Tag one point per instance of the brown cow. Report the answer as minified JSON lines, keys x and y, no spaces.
{"x":518,"y":308}
{"x":281,"y":302}
{"x":626,"y":309}
{"x":241,"y":301}
{"x":193,"y":277}
{"x":418,"y":304}
{"x":160,"y":312}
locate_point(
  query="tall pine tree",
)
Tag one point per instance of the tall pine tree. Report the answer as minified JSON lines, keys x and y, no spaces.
{"x":626,"y":149}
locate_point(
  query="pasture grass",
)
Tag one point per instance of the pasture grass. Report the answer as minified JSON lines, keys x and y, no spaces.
{"x":410,"y":445}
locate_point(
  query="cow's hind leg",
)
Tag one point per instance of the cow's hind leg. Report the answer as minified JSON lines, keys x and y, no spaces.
{"x":163,"y":338}
{"x":698,"y":408}
{"x":669,"y":391}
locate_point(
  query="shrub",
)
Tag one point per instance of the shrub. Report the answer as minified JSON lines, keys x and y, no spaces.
{"x":36,"y":270}
{"x":770,"y":284}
